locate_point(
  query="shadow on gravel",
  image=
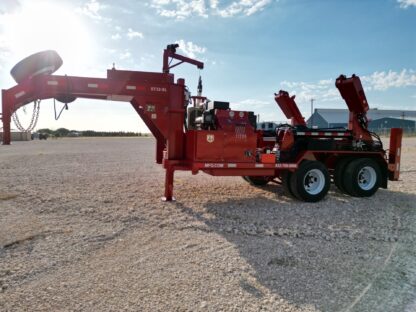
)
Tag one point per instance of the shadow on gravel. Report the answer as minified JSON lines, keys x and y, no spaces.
{"x":341,"y":254}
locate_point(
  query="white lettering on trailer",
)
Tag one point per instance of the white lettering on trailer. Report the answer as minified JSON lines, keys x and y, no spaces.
{"x":154,"y":116}
{"x":52,"y":83}
{"x":315,"y":133}
{"x":328,"y":133}
{"x":300,"y":133}
{"x":123,"y":98}
{"x":157,"y":89}
{"x":131,"y":87}
{"x":213,"y":165}
{"x":259,"y":165}
{"x":342,"y":133}
{"x":286,"y":165}
{"x":20,"y":94}
{"x":93,"y":85}
{"x":232,"y":165}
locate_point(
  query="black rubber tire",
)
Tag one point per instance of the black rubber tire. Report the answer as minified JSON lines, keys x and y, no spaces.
{"x":41,"y":63}
{"x":297,"y":181}
{"x":351,"y":177}
{"x":257,"y":180}
{"x":339,"y":173}
{"x":285,"y":177}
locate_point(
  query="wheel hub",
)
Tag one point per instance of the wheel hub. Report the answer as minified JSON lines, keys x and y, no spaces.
{"x":314,"y":181}
{"x":367,"y":178}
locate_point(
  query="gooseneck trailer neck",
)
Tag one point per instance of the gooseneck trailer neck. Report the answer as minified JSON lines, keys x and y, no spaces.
{"x":195,"y":134}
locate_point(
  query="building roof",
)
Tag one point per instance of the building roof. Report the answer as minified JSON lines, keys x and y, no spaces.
{"x":333,"y":115}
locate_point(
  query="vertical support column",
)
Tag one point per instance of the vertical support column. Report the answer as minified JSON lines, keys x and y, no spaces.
{"x":395,"y":153}
{"x":176,"y":138}
{"x":169,"y":184}
{"x":165,"y":68}
{"x":160,"y":146}
{"x":6,"y":118}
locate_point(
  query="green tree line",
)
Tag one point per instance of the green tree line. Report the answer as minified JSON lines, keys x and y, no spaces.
{"x":63,"y":132}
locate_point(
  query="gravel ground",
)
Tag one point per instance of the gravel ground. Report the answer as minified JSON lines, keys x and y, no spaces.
{"x":82,"y":228}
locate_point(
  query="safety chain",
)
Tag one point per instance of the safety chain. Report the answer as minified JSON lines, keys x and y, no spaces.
{"x":33,"y":121}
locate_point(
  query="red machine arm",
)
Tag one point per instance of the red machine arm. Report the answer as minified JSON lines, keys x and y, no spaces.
{"x":170,"y":52}
{"x":290,"y":109}
{"x":156,"y":98}
{"x":353,"y":94}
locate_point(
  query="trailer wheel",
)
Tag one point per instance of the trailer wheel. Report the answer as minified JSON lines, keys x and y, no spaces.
{"x":285,"y":177}
{"x":257,"y":180}
{"x":340,"y":172}
{"x":362,"y":177}
{"x":311,"y":181}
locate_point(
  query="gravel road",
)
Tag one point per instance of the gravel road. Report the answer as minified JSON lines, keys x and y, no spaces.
{"x":82,"y":228}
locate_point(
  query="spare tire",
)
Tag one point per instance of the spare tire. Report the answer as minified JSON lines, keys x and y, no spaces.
{"x":41,"y":63}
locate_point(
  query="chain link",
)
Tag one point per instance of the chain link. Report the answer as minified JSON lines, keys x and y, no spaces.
{"x":33,"y":121}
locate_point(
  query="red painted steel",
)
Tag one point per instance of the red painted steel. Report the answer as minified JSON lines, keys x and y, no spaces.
{"x":227,"y":143}
{"x":352,"y":92}
{"x":289,"y":108}
{"x":395,"y":153}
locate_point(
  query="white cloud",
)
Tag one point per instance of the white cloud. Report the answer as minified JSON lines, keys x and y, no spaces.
{"x":256,"y":7}
{"x":243,"y":7}
{"x":181,"y":9}
{"x":213,"y":4}
{"x":250,"y":104}
{"x":325,"y":90}
{"x":9,"y":6}
{"x":92,"y":9}
{"x":391,"y":79}
{"x":131,"y":34}
{"x":404,"y":4}
{"x":190,"y":49}
{"x":126,"y":55}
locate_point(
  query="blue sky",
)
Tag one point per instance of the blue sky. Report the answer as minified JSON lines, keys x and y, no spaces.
{"x":251,"y":49}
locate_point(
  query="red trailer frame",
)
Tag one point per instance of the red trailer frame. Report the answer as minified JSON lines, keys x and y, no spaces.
{"x":231,"y":147}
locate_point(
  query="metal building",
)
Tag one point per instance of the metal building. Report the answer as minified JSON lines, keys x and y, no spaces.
{"x":330,"y":118}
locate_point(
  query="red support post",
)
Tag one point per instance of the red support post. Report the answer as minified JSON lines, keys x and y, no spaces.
{"x":6,"y":118}
{"x":169,"y":184}
{"x":395,"y":153}
{"x":160,"y":147}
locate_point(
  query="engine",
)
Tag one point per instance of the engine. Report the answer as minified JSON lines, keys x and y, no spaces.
{"x":217,"y":133}
{"x":208,"y":116}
